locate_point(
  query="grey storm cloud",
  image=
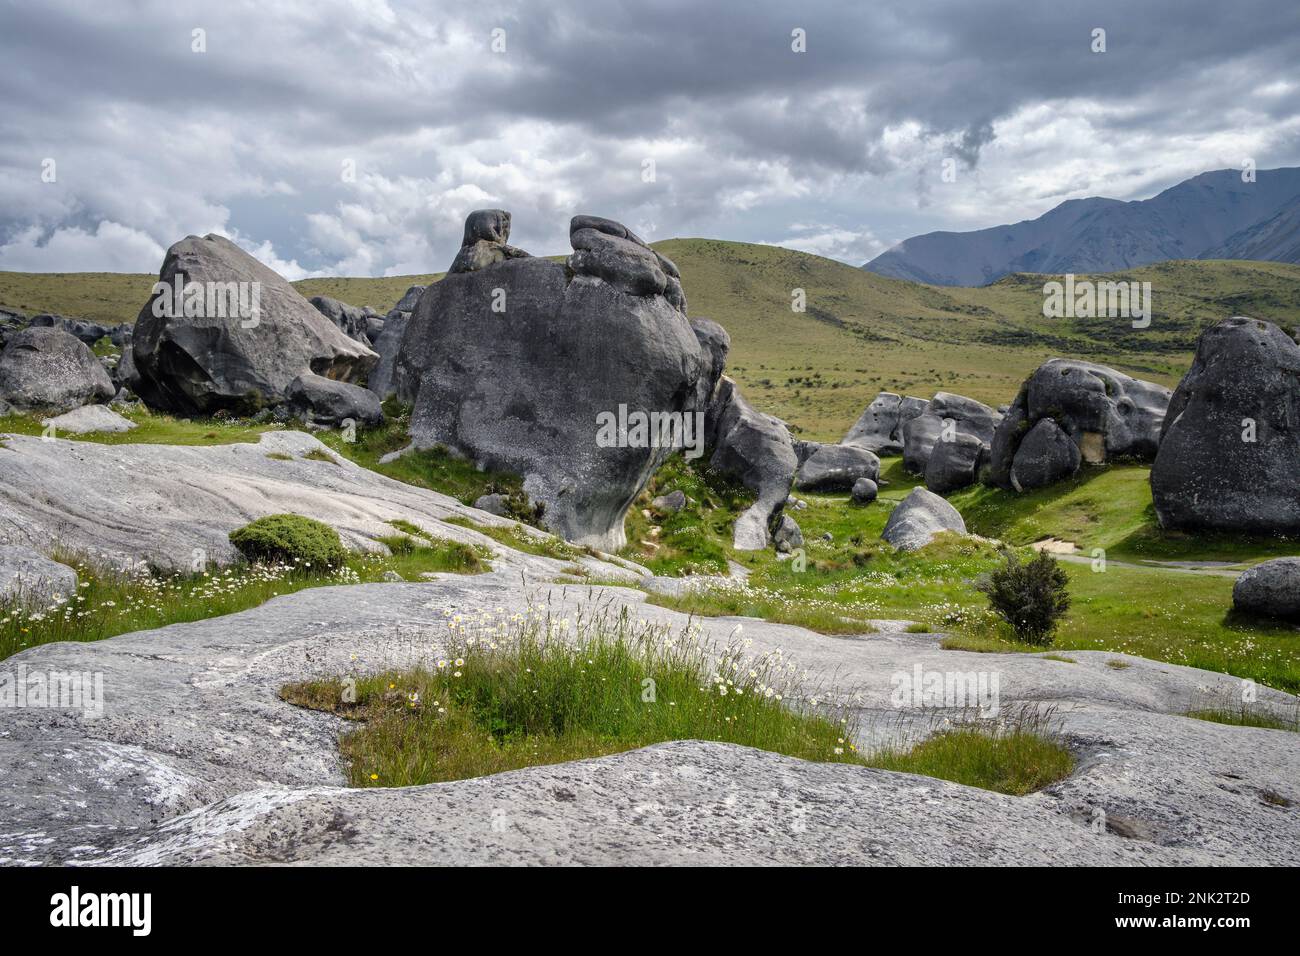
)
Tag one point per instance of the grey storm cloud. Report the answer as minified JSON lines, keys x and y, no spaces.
{"x":833,"y":149}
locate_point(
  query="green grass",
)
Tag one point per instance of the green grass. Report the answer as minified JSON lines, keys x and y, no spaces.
{"x":526,"y":690}
{"x":523,"y":690}
{"x":110,"y":601}
{"x":1243,"y":715}
{"x":1018,"y":757}
{"x":545,"y":545}
{"x":153,"y":429}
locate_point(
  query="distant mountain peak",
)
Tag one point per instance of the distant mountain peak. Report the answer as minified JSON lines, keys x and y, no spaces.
{"x":1212,"y":215}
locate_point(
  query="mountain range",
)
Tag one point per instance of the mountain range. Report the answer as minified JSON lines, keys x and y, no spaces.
{"x":1216,"y":215}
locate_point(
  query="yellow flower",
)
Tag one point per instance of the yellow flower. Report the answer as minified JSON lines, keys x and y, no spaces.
{"x":374,"y":776}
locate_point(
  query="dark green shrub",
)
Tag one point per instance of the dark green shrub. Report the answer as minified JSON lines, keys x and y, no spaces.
{"x":1031,"y":597}
{"x":291,"y":539}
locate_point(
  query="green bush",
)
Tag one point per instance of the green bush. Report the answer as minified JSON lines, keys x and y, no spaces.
{"x":1031,"y":597}
{"x":291,"y":539}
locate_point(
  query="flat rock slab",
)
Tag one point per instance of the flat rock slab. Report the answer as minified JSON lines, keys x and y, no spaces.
{"x":89,"y":419}
{"x":195,"y":760}
{"x":160,"y":504}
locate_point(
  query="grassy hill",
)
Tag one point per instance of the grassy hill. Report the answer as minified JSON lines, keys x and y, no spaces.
{"x":860,"y":332}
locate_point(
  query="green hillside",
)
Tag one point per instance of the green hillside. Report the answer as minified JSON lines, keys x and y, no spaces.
{"x":860,"y":332}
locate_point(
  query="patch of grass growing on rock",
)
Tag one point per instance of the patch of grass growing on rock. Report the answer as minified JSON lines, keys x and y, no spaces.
{"x":534,"y":690}
{"x":1017,"y":756}
{"x":526,"y":690}
{"x":112,"y":601}
{"x":152,"y":428}
{"x":1244,"y":715}
{"x":547,"y":545}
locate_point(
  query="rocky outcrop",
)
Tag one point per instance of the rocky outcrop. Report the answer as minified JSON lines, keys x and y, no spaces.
{"x":167,"y":506}
{"x":954,"y":463}
{"x":239,"y":341}
{"x":324,"y":401}
{"x":552,"y":372}
{"x":48,"y":369}
{"x":756,"y":450}
{"x":387,"y":342}
{"x":834,"y":467}
{"x":1106,"y":414}
{"x":1270,"y":589}
{"x":1045,"y":456}
{"x":946,"y":418}
{"x":918,"y":518}
{"x":83,"y":329}
{"x":880,"y":428}
{"x":485,"y":242}
{"x":353,"y":321}
{"x":29,"y":577}
{"x":787,"y":536}
{"x":1231,"y":441}
{"x":255,"y":780}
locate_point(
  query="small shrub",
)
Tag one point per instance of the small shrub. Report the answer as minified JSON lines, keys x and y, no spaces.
{"x":292,"y":539}
{"x":1031,"y":597}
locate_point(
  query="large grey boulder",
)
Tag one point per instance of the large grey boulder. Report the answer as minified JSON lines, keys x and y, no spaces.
{"x":918,"y":518}
{"x":715,"y":344}
{"x":880,"y":427}
{"x":230,"y":355}
{"x":353,"y":321}
{"x":327,"y":402}
{"x":756,"y":450}
{"x":485,"y":242}
{"x":1045,"y":456}
{"x":48,"y":369}
{"x":527,"y":366}
{"x":835,"y":467}
{"x":1229,"y":456}
{"x":946,"y":415}
{"x":954,"y":463}
{"x":1106,"y":414}
{"x":88,"y":419}
{"x":1271,"y":588}
{"x":29,"y":577}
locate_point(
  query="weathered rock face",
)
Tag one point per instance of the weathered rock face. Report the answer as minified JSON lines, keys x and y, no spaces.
{"x":954,"y":463}
{"x":48,"y":369}
{"x":757,"y":450}
{"x":353,"y":321}
{"x":541,"y":385}
{"x":327,"y":402}
{"x":1047,"y":455}
{"x":487,"y":232}
{"x":387,"y":342}
{"x":230,"y":355}
{"x":1271,"y":588}
{"x":30,"y":577}
{"x":918,"y":518}
{"x":835,"y":467}
{"x":923,"y":432}
{"x":1104,"y":413}
{"x":880,"y":427}
{"x":1231,"y":442}
{"x":716,"y":344}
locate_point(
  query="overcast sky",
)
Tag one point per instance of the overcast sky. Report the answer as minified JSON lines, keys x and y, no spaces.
{"x":838,"y":150}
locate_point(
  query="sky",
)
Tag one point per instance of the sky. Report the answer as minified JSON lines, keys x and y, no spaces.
{"x":351,"y":137}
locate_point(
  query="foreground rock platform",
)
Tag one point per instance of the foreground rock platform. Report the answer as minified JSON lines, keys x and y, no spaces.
{"x":195,"y":760}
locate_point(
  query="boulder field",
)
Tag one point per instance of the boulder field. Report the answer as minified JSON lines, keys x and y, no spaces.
{"x":195,"y":760}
